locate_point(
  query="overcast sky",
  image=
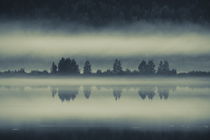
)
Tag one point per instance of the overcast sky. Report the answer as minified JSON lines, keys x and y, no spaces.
{"x":40,"y":46}
{"x":104,"y":44}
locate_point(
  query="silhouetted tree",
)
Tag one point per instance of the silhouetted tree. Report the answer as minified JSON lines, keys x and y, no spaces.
{"x":61,"y":65}
{"x":164,"y":69}
{"x":146,"y":68}
{"x":142,"y":67}
{"x":99,"y":72}
{"x":75,"y":67}
{"x":87,"y":68}
{"x":128,"y":71}
{"x":21,"y":71}
{"x":173,"y":72}
{"x":117,"y":68}
{"x":160,"y":67}
{"x":53,"y":68}
{"x":150,"y":67}
{"x":68,"y":66}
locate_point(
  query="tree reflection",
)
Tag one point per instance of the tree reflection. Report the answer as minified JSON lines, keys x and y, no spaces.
{"x":117,"y":93}
{"x":147,"y":93}
{"x":65,"y":93}
{"x":54,"y":91}
{"x":87,"y":91}
{"x":163,"y":93}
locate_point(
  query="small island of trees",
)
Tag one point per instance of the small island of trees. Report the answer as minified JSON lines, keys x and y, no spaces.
{"x":68,"y":66}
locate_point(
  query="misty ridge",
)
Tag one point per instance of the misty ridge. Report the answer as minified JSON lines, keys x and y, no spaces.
{"x":69,"y":67}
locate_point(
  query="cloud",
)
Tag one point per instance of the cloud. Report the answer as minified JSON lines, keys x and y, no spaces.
{"x":35,"y":46}
{"x":104,"y":44}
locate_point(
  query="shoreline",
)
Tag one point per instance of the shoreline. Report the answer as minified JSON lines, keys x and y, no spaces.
{"x":104,"y":76}
{"x":102,"y":134}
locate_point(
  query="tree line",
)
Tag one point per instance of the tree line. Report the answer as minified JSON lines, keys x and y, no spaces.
{"x":70,"y":66}
{"x":67,"y":66}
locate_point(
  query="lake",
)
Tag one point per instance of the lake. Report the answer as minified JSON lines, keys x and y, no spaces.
{"x":131,"y":103}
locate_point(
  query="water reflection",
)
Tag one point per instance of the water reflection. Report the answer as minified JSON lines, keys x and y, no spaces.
{"x":69,"y":93}
{"x":163,"y":93}
{"x":117,"y":94}
{"x":148,"y":92}
{"x":87,"y":91}
{"x":54,"y":91}
{"x":78,"y":104}
{"x":65,"y":93}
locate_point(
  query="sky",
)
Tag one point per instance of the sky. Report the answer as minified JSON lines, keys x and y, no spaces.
{"x":33,"y":34}
{"x":104,"y":44}
{"x":36,"y":47}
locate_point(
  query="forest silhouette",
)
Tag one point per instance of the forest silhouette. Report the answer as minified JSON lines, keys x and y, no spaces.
{"x":70,"y":66}
{"x":67,"y":66}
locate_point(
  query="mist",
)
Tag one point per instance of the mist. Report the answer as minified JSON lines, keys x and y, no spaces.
{"x":34,"y":45}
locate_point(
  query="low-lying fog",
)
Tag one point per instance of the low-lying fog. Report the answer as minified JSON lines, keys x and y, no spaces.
{"x":33,"y":46}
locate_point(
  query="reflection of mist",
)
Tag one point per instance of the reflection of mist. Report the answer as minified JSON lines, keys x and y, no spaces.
{"x":117,"y":93}
{"x":87,"y":91}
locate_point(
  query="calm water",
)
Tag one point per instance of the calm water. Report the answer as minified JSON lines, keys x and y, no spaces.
{"x":135,"y":103}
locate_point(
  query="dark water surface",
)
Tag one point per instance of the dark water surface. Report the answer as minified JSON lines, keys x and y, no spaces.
{"x":113,"y":108}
